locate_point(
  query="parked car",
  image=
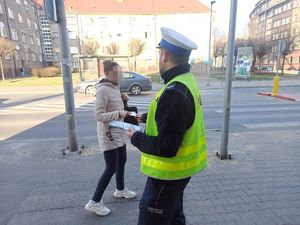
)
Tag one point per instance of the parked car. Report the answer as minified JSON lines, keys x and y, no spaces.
{"x":131,"y":82}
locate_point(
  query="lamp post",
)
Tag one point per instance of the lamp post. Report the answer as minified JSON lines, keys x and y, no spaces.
{"x":209,"y":44}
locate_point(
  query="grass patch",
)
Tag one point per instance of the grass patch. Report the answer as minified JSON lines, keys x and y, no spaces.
{"x":43,"y":81}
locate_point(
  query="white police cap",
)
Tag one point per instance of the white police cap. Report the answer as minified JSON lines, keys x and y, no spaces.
{"x":176,"y":43}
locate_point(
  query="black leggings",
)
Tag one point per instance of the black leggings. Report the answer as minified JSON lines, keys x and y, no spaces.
{"x":115,"y":163}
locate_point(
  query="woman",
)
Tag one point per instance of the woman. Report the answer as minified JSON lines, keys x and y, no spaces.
{"x":108,"y":107}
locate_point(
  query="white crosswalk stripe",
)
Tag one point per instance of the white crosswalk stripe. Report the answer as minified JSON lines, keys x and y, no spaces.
{"x":80,"y":106}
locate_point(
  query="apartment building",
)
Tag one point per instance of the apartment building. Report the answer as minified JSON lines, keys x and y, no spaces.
{"x":19,"y":22}
{"x":120,"y":21}
{"x":275,"y":20}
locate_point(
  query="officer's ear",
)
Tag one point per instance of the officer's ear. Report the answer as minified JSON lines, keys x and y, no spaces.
{"x":165,"y":56}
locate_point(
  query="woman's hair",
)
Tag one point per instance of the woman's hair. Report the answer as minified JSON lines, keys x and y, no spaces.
{"x":109,"y":65}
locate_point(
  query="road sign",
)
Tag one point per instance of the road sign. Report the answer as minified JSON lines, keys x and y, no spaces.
{"x":281,"y":47}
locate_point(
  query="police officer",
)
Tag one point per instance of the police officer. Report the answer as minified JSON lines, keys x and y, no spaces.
{"x":173,"y":145}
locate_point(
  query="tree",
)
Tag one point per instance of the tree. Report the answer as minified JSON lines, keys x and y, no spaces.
{"x":90,"y":47}
{"x":136,"y":47}
{"x":113,"y":48}
{"x":219,"y":48}
{"x":6,"y":47}
{"x":261,"y":48}
{"x":288,"y":48}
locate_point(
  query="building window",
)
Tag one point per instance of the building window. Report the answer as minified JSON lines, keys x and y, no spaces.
{"x":73,"y":50}
{"x":24,"y":39}
{"x":294,"y":31}
{"x":102,"y":20}
{"x":291,"y":59}
{"x":289,"y":6}
{"x":299,"y":60}
{"x":7,"y":56}
{"x":17,"y":56}
{"x":270,"y":13}
{"x":33,"y":57}
{"x":72,"y":35}
{"x":132,"y":20}
{"x":14,"y":34}
{"x":20,"y":18}
{"x":11,"y":14}
{"x":119,"y":35}
{"x":3,"y":30}
{"x":31,"y":40}
{"x":28,"y":23}
{"x":285,"y":21}
{"x":38,"y":42}
{"x":281,"y":35}
{"x":36,"y":26}
{"x":147,"y":35}
{"x":27,"y":56}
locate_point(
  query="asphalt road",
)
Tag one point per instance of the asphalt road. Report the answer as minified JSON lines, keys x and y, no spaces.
{"x":35,"y":114}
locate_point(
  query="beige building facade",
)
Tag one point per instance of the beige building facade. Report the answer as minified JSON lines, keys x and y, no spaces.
{"x":275,"y":20}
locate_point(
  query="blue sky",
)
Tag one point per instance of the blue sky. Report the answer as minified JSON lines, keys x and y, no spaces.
{"x":222,"y":8}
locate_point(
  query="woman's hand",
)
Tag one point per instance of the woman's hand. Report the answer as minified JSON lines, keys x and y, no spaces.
{"x":125,"y":97}
{"x":123,"y":114}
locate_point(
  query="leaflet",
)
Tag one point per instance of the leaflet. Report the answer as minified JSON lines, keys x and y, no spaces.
{"x":124,"y":126}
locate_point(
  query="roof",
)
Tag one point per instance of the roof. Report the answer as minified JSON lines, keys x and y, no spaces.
{"x":134,"y":6}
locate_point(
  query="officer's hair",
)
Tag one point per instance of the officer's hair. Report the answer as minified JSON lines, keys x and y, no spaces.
{"x":178,"y":60}
{"x":109,"y":65}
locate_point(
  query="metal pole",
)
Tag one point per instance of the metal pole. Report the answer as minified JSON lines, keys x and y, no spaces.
{"x":66,"y":65}
{"x":80,"y":70}
{"x":209,"y":44}
{"x":278,"y":56}
{"x":228,"y":80}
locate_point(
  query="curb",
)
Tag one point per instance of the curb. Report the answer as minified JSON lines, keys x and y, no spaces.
{"x":285,"y":97}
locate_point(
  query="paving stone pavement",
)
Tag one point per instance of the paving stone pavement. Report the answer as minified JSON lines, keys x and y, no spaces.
{"x":259,"y":186}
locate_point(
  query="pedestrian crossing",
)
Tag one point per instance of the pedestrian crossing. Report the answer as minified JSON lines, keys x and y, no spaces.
{"x":80,"y":106}
{"x":268,"y":116}
{"x":259,"y":115}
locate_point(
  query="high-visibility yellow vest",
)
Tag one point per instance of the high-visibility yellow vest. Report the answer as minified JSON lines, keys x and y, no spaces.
{"x":191,"y":156}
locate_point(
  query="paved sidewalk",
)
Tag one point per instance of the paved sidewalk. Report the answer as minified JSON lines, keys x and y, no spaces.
{"x":260,"y":186}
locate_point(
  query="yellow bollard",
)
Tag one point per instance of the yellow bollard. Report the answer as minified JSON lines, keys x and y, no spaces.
{"x":275,"y":86}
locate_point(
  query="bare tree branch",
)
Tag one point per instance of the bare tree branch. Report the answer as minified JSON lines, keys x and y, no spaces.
{"x":90,"y":47}
{"x":113,"y":48}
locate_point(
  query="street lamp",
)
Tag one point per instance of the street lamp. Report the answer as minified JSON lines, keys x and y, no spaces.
{"x":209,"y":44}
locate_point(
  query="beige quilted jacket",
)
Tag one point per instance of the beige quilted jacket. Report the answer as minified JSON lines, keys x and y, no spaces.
{"x":107,"y":106}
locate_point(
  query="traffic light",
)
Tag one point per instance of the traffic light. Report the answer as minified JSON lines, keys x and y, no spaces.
{"x":50,"y":10}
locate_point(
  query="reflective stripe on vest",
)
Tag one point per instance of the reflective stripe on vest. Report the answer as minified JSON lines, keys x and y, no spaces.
{"x":191,"y":156}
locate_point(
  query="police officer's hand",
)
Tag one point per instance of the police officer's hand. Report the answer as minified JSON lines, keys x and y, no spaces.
{"x":139,"y":117}
{"x":130,"y":133}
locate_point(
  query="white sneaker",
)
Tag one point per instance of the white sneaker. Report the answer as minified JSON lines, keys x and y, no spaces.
{"x":97,"y":207}
{"x":125,"y":193}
